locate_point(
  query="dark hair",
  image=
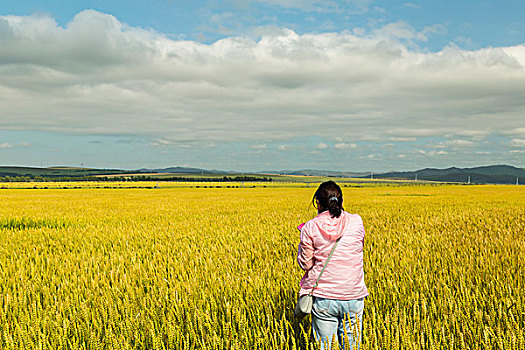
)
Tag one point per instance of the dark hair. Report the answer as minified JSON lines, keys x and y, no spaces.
{"x":330,"y":198}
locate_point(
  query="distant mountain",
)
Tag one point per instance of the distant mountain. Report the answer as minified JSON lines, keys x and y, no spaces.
{"x":496,"y":174}
{"x":182,"y":170}
{"x":61,"y":171}
{"x":65,"y":171}
{"x":312,"y":172}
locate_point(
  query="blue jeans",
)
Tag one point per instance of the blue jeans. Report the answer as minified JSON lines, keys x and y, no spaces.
{"x":342,"y":318}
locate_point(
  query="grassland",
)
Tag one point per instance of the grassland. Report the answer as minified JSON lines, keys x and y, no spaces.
{"x":44,"y":176}
{"x":285,"y":181}
{"x":214,"y":268}
{"x":53,"y":171}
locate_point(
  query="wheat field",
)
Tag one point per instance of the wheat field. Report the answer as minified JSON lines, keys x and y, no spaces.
{"x":214,"y":268}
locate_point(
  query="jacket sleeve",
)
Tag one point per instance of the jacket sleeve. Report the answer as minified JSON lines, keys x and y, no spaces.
{"x":305,"y":253}
{"x":362,"y":230}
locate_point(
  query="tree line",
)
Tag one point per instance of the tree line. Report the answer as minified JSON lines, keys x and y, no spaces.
{"x":244,"y":178}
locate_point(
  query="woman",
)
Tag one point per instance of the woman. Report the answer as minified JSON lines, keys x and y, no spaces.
{"x":339,"y":296}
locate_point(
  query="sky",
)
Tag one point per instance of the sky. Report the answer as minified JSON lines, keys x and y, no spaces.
{"x":258,"y":85}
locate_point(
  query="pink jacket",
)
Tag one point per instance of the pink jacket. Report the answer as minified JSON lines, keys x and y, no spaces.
{"x":343,"y":278}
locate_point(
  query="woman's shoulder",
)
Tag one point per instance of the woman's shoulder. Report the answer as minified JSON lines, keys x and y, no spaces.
{"x":348,"y":216}
{"x":354,"y":217}
{"x":310,"y":222}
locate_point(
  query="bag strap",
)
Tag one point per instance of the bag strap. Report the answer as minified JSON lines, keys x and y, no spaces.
{"x":326,"y":263}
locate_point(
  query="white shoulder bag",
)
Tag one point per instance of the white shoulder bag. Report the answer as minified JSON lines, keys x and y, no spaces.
{"x":303,"y":306}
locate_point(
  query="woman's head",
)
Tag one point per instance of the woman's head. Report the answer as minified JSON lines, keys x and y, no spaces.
{"x":329,"y":197}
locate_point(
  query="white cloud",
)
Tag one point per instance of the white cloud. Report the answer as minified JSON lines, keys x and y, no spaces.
{"x":321,"y":145}
{"x":161,"y":142}
{"x":6,"y":145}
{"x":320,"y":6}
{"x":403,"y":31}
{"x":515,"y":131}
{"x":397,"y":30}
{"x":343,"y":145}
{"x":371,"y":157}
{"x":409,"y":132}
{"x":454,"y":144}
{"x":517,"y":142}
{"x":459,"y":143}
{"x":170,"y":143}
{"x":474,"y":134}
{"x":99,"y":76}
{"x":258,"y":147}
{"x":412,"y":5}
{"x":403,"y":139}
{"x":432,"y":153}
{"x":367,"y":137}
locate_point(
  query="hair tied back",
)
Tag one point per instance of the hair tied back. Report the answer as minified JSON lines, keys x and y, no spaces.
{"x":329,"y":197}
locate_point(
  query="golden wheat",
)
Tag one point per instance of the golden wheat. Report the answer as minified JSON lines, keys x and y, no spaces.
{"x":212,"y":268}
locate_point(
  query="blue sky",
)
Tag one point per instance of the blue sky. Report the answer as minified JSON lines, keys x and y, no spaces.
{"x":262,"y":85}
{"x":468,"y":23}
